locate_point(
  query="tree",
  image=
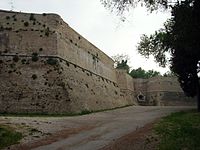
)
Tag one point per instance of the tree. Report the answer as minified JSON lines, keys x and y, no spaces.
{"x":180,"y":38}
{"x":169,"y":74}
{"x":121,"y":6}
{"x":141,"y":73}
{"x":152,"y":73}
{"x":121,"y":61}
{"x":138,"y":73}
{"x":157,"y":44}
{"x":123,"y":65}
{"x":119,"y":57}
{"x":11,"y":3}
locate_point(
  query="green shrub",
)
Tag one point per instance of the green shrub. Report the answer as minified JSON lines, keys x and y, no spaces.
{"x":23,"y":61}
{"x":7,"y":17}
{"x":12,"y":65}
{"x":34,"y":76}
{"x":47,"y":31}
{"x":16,"y":58}
{"x":1,"y":28}
{"x":26,"y":24}
{"x":35,"y":57}
{"x":52,"y":61}
{"x":84,"y":112}
{"x":32,"y":18}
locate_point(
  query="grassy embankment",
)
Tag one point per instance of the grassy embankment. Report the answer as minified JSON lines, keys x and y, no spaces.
{"x":8,"y":136}
{"x":179,"y":131}
{"x":83,"y":112}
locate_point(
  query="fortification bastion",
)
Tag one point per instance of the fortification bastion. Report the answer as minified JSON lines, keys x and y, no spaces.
{"x":47,"y":67}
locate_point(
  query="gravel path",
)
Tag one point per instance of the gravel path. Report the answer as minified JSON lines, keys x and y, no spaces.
{"x":88,"y":132}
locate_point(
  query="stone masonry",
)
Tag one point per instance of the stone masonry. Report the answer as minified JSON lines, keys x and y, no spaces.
{"x":47,"y":67}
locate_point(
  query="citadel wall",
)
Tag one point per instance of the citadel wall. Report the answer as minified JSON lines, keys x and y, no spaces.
{"x":47,"y":67}
{"x":78,"y":50}
{"x":126,"y":85}
{"x":166,"y":91}
{"x":154,"y":91}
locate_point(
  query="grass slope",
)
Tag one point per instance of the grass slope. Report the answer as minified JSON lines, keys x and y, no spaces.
{"x":83,"y":112}
{"x":8,"y":136}
{"x":179,"y":131}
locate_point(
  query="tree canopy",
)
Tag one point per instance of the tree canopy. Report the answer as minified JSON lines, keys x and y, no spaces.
{"x":169,"y":74}
{"x":119,"y":57}
{"x":141,"y":73}
{"x":121,"y":61}
{"x":186,"y":45}
{"x":121,"y":6}
{"x":157,"y":44}
{"x":179,"y":38}
{"x":123,"y":65}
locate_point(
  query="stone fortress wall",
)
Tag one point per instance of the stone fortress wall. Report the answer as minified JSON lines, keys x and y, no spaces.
{"x":47,"y":67}
{"x":155,"y":91}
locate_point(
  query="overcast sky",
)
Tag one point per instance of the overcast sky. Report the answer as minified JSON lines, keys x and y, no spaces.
{"x":99,"y":26}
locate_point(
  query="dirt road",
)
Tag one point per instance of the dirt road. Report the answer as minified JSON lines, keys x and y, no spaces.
{"x":90,"y":132}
